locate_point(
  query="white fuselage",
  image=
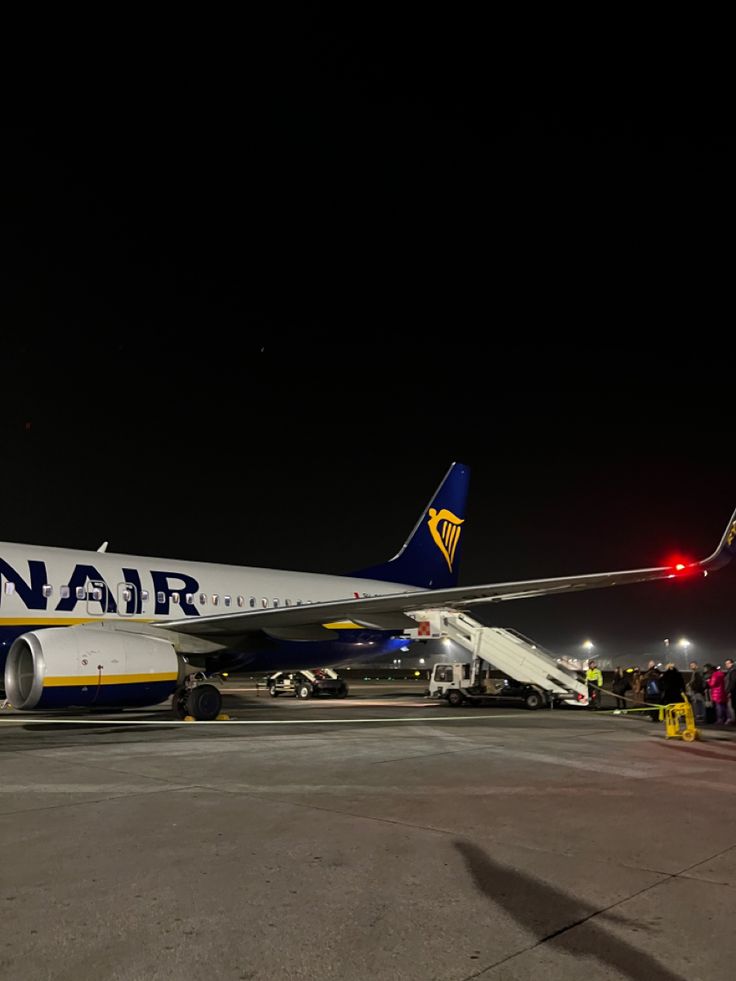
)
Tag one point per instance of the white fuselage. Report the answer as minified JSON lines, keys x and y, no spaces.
{"x":56,"y":586}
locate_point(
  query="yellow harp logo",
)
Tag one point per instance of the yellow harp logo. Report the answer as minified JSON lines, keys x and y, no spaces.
{"x":445,"y":529}
{"x":731,"y":534}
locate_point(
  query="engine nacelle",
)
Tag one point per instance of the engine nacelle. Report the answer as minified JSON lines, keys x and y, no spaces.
{"x":76,"y":666}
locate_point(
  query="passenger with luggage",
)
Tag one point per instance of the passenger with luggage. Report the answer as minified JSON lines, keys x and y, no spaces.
{"x":653,"y":689}
{"x":696,"y":693}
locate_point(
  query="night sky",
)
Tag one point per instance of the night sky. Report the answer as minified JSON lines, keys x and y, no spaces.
{"x":255,"y":323}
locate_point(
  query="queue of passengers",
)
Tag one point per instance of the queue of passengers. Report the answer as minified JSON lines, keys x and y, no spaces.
{"x":711,"y":692}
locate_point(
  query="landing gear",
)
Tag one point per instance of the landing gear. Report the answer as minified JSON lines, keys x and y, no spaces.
{"x":179,"y":703}
{"x":202,"y":702}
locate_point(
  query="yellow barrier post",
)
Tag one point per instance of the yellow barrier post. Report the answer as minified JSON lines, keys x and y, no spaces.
{"x":679,"y":722}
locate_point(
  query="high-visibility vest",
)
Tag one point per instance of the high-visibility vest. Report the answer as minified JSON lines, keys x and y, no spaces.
{"x":594,"y":677}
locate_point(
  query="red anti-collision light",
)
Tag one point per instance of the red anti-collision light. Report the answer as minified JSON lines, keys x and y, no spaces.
{"x":680,"y":564}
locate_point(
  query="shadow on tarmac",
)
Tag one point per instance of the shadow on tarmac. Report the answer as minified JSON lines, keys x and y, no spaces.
{"x":530,"y":902}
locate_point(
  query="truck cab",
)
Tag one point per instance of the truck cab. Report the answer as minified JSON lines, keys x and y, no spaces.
{"x":470,"y":682}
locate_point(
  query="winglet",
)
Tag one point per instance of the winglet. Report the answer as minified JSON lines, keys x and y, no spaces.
{"x":726,"y":549}
{"x":103,"y":547}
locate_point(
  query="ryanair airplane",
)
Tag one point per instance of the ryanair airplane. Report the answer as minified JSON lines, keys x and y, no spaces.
{"x":97,"y":629}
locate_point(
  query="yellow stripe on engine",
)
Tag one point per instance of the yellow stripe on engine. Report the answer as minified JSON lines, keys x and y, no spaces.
{"x":343,"y":625}
{"x":92,"y":680}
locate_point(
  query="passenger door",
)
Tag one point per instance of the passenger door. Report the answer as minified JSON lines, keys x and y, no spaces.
{"x":97,"y":598}
{"x":128,"y":599}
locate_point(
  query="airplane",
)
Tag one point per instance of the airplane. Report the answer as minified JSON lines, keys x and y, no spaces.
{"x":96,"y":629}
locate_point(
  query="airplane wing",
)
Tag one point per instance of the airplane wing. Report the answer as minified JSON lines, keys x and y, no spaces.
{"x":388,"y":611}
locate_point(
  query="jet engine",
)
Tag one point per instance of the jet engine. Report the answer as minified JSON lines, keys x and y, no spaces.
{"x":77,"y":666}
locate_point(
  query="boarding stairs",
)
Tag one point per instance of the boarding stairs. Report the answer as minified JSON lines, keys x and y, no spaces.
{"x":512,"y":653}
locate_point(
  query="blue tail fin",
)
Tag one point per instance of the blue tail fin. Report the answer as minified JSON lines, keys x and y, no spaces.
{"x":431,"y":556}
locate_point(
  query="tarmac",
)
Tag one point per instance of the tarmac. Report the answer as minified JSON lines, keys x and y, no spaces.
{"x":379,"y":836}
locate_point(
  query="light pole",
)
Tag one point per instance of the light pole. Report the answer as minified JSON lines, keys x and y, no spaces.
{"x":684,"y":644}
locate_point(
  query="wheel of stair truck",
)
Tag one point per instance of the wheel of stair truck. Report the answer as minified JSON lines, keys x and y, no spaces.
{"x":534,"y":700}
{"x":455,"y":697}
{"x":204,"y":703}
{"x":179,"y":703}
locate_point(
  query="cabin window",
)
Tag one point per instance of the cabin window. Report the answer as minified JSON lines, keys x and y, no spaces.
{"x":64,"y":592}
{"x":97,"y":594}
{"x":47,"y":590}
{"x":275,"y":602}
{"x":175,"y":598}
{"x":298,"y":602}
{"x":241,"y":600}
{"x":287,"y":602}
{"x":81,"y":594}
{"x":252,"y":601}
{"x":215,"y":599}
{"x":160,"y":596}
{"x":264,"y":603}
{"x":227,"y":600}
{"x":189,"y":598}
{"x":202,"y":599}
{"x":9,"y":588}
{"x":144,"y":595}
{"x":127,"y":595}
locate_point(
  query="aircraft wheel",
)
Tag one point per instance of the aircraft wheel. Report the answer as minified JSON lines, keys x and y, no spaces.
{"x":204,"y":703}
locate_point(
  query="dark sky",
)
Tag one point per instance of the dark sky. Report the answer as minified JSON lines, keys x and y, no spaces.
{"x":253,"y":320}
